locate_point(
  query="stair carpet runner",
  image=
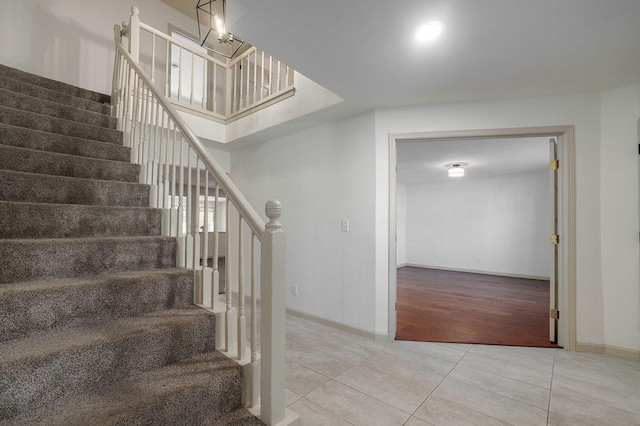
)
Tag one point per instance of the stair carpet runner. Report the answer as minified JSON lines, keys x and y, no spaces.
{"x":97,"y":325}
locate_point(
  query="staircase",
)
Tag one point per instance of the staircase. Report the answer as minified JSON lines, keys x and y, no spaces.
{"x":97,"y":324}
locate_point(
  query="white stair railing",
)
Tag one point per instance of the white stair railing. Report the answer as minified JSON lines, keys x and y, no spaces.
{"x":199,"y":82}
{"x":182,"y":175}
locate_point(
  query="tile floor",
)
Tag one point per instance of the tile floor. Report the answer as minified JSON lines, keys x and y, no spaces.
{"x":337,"y":378}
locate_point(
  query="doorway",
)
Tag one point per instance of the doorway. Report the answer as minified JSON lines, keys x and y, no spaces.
{"x":566,"y":259}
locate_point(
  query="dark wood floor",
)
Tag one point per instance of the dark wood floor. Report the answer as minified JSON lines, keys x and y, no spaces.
{"x":446,"y":306}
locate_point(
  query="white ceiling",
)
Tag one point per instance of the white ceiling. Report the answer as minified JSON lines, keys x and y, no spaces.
{"x":425,"y":161}
{"x":364,"y":50}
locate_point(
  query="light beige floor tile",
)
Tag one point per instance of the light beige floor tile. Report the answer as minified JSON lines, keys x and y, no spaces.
{"x":620,"y":377}
{"x":356,"y":407}
{"x":438,"y":411}
{"x":505,"y":369}
{"x":314,"y":415}
{"x":436,"y":350}
{"x":408,"y":361}
{"x":290,"y":397}
{"x":609,"y":394}
{"x":414,"y":421}
{"x":349,"y":347}
{"x":301,"y":379}
{"x":539,"y":359}
{"x":390,"y":387}
{"x":556,"y":419}
{"x":491,"y":404}
{"x":587,"y":410}
{"x":320,"y":362}
{"x":520,"y":391}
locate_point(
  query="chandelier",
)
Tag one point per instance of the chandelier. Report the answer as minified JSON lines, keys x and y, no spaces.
{"x":212,"y":28}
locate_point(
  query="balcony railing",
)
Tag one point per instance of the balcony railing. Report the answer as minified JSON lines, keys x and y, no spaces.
{"x":195,"y":79}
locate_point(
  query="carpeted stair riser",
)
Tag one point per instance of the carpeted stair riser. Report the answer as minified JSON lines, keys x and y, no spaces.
{"x":38,"y":370}
{"x":38,"y":220}
{"x":22,"y":137}
{"x":50,"y":163}
{"x":52,"y":96}
{"x":97,"y":325}
{"x":36,"y":307}
{"x":16,"y":117}
{"x":53,"y":85}
{"x":179,"y":394}
{"x":27,"y":260}
{"x":54,"y":109}
{"x":30,"y":187}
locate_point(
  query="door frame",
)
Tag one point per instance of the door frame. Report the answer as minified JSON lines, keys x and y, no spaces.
{"x":566,"y":215}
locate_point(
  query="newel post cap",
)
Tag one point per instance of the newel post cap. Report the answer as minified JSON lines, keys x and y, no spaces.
{"x":273,"y":209}
{"x":135,"y":11}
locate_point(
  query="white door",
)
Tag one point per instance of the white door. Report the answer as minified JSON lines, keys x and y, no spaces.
{"x":553,"y":276}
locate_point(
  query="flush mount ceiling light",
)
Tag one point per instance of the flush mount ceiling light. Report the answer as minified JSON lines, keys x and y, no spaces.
{"x":455,"y":169}
{"x":429,"y":31}
{"x":212,"y":19}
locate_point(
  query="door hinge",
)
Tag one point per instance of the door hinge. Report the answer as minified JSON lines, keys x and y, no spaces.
{"x":555,"y":314}
{"x":555,"y":239}
{"x":554,"y":164}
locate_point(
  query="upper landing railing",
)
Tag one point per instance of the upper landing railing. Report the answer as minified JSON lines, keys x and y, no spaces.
{"x":211,"y":221}
{"x":196,"y":79}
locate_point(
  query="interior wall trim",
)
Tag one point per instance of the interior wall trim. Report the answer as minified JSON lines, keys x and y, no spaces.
{"x":596,"y":348}
{"x":340,"y":326}
{"x":474,"y":271}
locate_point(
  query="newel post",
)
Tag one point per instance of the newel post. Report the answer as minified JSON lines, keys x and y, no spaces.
{"x":133,"y":30}
{"x":272,"y":294}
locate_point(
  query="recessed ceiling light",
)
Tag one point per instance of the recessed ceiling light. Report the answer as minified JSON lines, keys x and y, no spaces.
{"x":429,"y":31}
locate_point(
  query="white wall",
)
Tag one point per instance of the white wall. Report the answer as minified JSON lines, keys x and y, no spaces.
{"x":619,"y":212}
{"x":72,"y":41}
{"x":496,"y":225}
{"x":322,"y":176}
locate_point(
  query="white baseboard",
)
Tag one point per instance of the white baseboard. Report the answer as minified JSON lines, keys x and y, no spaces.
{"x":473,"y":271}
{"x":597,"y":348}
{"x":340,"y":326}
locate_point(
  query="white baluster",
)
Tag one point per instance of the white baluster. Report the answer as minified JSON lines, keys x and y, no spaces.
{"x":255,"y":77}
{"x":215,"y":290}
{"x":195,"y":221}
{"x":182,"y":237}
{"x":189,"y":202}
{"x":242,"y":322}
{"x":253,"y":384}
{"x":206,"y":271}
{"x":228,"y":291}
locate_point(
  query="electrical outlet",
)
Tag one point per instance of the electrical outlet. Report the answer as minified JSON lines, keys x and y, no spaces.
{"x":294,"y":290}
{"x":345,"y":225}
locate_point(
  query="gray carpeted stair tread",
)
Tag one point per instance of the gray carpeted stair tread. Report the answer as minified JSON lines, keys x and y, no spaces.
{"x":28,"y":103}
{"x":32,"y":187}
{"x":40,"y":220}
{"x":34,"y":308}
{"x":204,"y":389}
{"x":35,"y":259}
{"x":23,"y":137}
{"x":40,"y":92}
{"x":32,"y":120}
{"x":54,"y":85}
{"x":38,"y":370}
{"x":51,"y":163}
